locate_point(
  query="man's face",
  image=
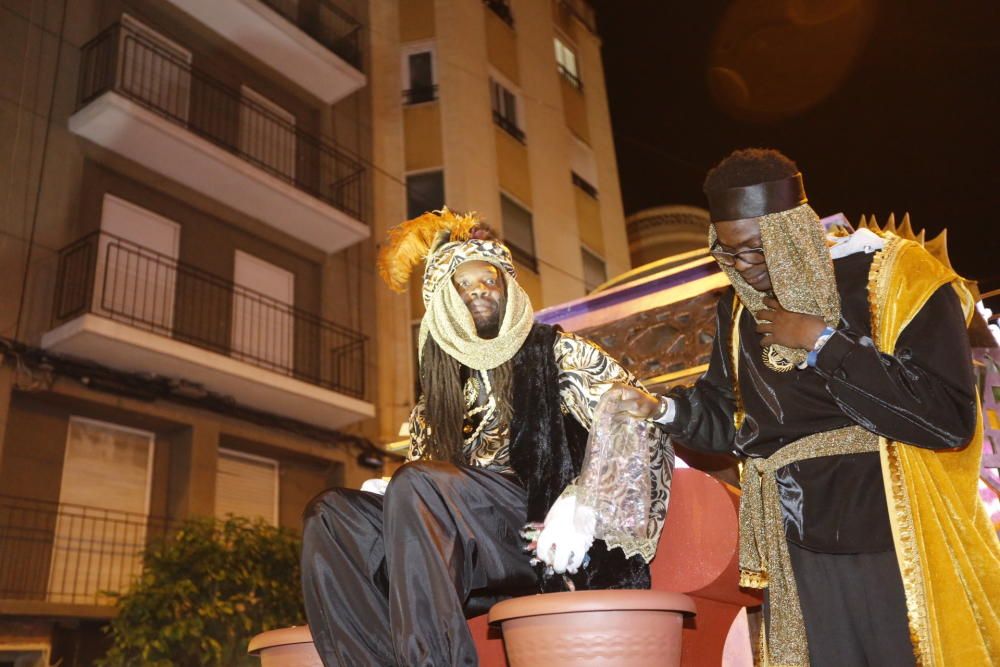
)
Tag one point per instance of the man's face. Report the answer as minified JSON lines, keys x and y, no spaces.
{"x":735,"y":238}
{"x":482,"y":289}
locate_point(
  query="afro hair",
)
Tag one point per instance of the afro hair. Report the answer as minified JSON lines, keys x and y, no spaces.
{"x":749,"y":166}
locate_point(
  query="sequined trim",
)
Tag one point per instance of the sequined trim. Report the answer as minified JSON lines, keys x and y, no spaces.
{"x":907,"y":552}
{"x":734,"y":356}
{"x":764,"y":559}
{"x":908,"y":557}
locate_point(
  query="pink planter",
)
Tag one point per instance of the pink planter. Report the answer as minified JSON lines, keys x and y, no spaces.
{"x":594,"y":628}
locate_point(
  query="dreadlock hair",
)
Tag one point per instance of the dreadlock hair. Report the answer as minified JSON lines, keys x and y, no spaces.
{"x":749,"y":166}
{"x":441,"y":383}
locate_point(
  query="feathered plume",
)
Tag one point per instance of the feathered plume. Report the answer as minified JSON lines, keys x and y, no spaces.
{"x":410,"y":242}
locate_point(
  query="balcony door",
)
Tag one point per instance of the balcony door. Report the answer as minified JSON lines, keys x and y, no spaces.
{"x":137,"y":266}
{"x":263,"y":322}
{"x":246,"y":485}
{"x":100,"y":530}
{"x":267,"y":134}
{"x":154,"y":70}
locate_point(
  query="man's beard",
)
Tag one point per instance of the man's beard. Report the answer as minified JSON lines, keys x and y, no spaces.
{"x":489,"y":328}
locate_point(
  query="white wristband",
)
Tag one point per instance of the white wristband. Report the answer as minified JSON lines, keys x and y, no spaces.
{"x":668,"y":414}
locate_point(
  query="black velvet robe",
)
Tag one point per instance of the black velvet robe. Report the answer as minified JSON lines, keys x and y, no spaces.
{"x":923,"y":395}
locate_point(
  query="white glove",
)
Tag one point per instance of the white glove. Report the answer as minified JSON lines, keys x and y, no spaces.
{"x":375,"y":485}
{"x":566,"y":535}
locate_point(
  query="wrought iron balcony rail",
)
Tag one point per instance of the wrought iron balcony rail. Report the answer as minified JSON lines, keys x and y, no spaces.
{"x":328,"y":24}
{"x":133,"y":65}
{"x":508,"y":126}
{"x":71,"y":554}
{"x":573,"y":79}
{"x":125,"y":282}
{"x":420,"y":94}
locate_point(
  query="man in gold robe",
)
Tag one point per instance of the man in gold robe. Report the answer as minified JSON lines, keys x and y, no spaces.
{"x":841,"y":371}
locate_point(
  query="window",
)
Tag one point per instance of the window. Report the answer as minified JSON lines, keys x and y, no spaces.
{"x":580,"y":182}
{"x":424,"y":192}
{"x":105,"y":488}
{"x":139,"y":255}
{"x":267,"y":134}
{"x":263,"y":325}
{"x":519,"y":233}
{"x":595,"y":273}
{"x":246,"y":486}
{"x":566,"y":62}
{"x":505,"y":109}
{"x":502,"y":9}
{"x":418,"y":75}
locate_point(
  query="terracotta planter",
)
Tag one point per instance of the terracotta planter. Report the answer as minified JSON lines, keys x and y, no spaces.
{"x":594,"y":628}
{"x":285,"y":647}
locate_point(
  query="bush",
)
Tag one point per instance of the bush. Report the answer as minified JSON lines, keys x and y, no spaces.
{"x":204,"y":592}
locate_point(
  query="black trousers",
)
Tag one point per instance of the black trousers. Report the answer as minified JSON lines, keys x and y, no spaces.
{"x":854,"y":608}
{"x":388,"y":579}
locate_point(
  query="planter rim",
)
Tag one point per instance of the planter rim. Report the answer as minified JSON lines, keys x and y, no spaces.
{"x":581,"y":601}
{"x":296,"y":634}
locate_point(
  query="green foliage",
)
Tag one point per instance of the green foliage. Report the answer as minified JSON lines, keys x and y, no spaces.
{"x":204,"y":592}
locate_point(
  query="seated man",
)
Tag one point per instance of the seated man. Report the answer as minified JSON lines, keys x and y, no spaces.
{"x":497,"y":439}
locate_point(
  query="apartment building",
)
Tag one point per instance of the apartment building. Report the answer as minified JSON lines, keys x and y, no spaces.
{"x":497,"y":106}
{"x":185,"y":307}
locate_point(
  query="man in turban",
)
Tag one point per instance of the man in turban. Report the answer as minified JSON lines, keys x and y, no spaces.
{"x":841,"y":371}
{"x":498,"y":438}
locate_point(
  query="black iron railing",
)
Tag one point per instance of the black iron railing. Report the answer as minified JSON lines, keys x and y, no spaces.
{"x":70,"y":554}
{"x":420,"y":94}
{"x":508,"y":126}
{"x":573,"y":79}
{"x":502,"y":9}
{"x":122,"y":281}
{"x":158,"y":78}
{"x":328,"y":24}
{"x":580,"y":182}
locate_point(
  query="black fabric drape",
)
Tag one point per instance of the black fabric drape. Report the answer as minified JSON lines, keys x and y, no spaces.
{"x":923,"y":395}
{"x":387,"y":579}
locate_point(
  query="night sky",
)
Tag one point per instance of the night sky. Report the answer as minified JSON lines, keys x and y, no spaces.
{"x":885,"y":106}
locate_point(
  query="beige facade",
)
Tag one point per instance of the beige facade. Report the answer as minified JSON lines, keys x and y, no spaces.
{"x":186,"y":321}
{"x":498,"y":107}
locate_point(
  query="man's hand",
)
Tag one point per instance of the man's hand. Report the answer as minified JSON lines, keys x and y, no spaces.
{"x":783,"y":327}
{"x":626,"y":401}
{"x":566,"y":536}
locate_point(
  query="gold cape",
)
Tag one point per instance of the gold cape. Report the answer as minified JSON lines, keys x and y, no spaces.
{"x":948,"y":552}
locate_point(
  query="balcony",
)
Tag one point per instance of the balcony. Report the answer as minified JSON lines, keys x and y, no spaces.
{"x":420,"y":95}
{"x":136,"y":310}
{"x":63,"y":559}
{"x":502,"y":9}
{"x":143,"y":101}
{"x":317,"y":45}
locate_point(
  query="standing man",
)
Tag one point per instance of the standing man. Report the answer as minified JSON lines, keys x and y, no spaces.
{"x":841,"y":371}
{"x":497,"y":439}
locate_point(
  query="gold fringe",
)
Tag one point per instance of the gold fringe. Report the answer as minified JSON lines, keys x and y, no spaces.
{"x":898,"y":500}
{"x":750,"y":579}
